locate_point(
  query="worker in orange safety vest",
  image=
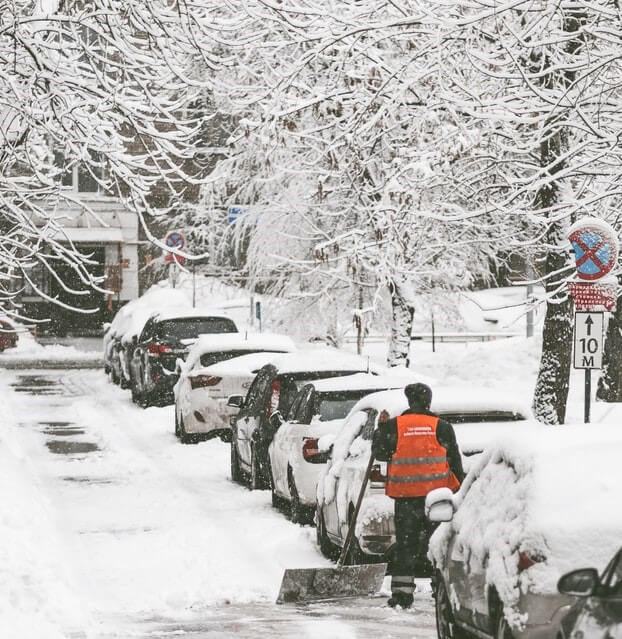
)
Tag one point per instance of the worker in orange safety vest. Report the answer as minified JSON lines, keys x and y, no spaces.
{"x":423,"y":455}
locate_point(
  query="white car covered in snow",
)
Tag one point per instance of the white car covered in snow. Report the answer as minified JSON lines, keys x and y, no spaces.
{"x":316,"y":415}
{"x":218,"y":366}
{"x":477,"y":418}
{"x":532,"y":508}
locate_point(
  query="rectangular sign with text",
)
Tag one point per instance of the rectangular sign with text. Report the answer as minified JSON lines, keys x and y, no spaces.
{"x":588,"y":340}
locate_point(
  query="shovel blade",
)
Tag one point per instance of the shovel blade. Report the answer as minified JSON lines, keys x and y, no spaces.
{"x":313,"y":584}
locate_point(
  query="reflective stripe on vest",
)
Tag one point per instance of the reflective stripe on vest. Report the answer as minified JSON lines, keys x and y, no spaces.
{"x":419,"y":463}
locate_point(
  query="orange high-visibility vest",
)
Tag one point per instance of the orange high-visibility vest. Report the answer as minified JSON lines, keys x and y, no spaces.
{"x":419,"y":463}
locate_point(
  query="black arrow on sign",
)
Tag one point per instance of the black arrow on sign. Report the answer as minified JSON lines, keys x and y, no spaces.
{"x":588,"y":322}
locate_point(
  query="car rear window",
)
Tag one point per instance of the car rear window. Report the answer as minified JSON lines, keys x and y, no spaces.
{"x":207,"y":359}
{"x":291,"y":383}
{"x":482,"y":417}
{"x":192,"y":327}
{"x":336,"y":405}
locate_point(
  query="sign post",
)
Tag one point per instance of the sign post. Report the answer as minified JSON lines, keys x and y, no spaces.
{"x":175,"y":240}
{"x":588,"y":349}
{"x":595,"y":245}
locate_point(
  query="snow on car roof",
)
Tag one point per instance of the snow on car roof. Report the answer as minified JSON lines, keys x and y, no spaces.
{"x":360,"y":381}
{"x":553,"y":492}
{"x":242,"y":365}
{"x":218,"y":342}
{"x":321,"y":359}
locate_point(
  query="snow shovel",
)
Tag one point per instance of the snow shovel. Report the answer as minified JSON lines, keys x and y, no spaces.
{"x":313,"y":584}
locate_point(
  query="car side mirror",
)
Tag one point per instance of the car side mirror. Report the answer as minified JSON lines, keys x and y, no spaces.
{"x":579,"y":583}
{"x":276,"y":420}
{"x":235,"y":401}
{"x":439,"y":505}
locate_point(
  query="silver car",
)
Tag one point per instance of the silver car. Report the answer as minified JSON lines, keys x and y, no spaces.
{"x":530,"y":509}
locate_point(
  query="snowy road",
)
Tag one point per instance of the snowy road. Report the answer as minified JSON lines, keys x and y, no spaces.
{"x":150,"y":538}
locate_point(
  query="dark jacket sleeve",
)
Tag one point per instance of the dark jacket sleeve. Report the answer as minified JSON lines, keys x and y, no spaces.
{"x":447,"y":439}
{"x":384,"y":441}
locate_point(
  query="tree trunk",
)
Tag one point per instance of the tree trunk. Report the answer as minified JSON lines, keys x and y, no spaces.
{"x":551,"y":392}
{"x":610,"y":380}
{"x":401,"y":326}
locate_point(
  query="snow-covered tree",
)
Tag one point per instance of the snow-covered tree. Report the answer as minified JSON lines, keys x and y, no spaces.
{"x":99,"y":84}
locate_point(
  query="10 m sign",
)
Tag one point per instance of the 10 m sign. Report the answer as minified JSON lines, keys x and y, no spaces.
{"x":588,"y":340}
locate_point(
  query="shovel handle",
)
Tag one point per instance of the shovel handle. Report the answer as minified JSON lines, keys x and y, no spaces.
{"x":355,"y":514}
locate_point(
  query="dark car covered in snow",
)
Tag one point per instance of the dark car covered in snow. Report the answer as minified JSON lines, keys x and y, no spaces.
{"x":165,"y":338}
{"x":598,"y":612}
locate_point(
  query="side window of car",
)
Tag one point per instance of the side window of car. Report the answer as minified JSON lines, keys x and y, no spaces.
{"x":367,"y":432}
{"x":614,"y":579}
{"x":291,"y":413}
{"x":146,"y":332}
{"x":253,"y":392}
{"x":304,"y":412}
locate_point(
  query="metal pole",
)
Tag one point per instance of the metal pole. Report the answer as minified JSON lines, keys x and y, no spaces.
{"x":433,"y":335}
{"x":194,"y":285}
{"x":530,"y":311}
{"x":588,"y":394}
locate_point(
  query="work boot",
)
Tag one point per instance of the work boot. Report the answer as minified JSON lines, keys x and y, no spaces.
{"x":401,"y":599}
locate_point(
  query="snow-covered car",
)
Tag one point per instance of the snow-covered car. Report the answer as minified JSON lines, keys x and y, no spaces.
{"x":273,"y":390}
{"x":8,"y":335}
{"x":316,"y":414}
{"x":167,"y":337}
{"x":219,"y":366}
{"x":531,"y":509}
{"x":598,"y":612}
{"x":477,"y":419}
{"x":121,"y":335}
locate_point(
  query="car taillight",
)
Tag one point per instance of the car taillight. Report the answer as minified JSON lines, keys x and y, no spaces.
{"x":527,"y":560}
{"x":311,"y":451}
{"x":155,"y":349}
{"x":203,"y":381}
{"x":376,"y":477}
{"x":275,"y":394}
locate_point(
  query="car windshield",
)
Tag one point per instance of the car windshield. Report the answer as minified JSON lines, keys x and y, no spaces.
{"x":207,"y":359}
{"x":336,"y":405}
{"x":192,"y":327}
{"x":482,"y":417}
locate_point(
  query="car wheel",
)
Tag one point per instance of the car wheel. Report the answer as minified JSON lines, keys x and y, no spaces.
{"x":445,"y":628}
{"x":502,"y":628}
{"x":184,"y":437}
{"x":326,"y":546}
{"x":355,"y":555}
{"x":236,"y":473}
{"x":298,"y":512}
{"x":256,"y":480}
{"x":135,"y":395}
{"x":277,"y":502}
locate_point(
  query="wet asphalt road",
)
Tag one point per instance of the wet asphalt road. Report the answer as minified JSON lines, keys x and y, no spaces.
{"x":70,"y":448}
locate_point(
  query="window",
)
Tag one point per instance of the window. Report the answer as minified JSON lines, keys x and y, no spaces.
{"x":192,"y":327}
{"x":367,"y":431}
{"x":337,"y":404}
{"x":81,"y":177}
{"x":482,"y":417}
{"x":207,"y":359}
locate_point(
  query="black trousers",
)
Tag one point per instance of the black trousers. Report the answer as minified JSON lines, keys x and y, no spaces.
{"x":412,"y":535}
